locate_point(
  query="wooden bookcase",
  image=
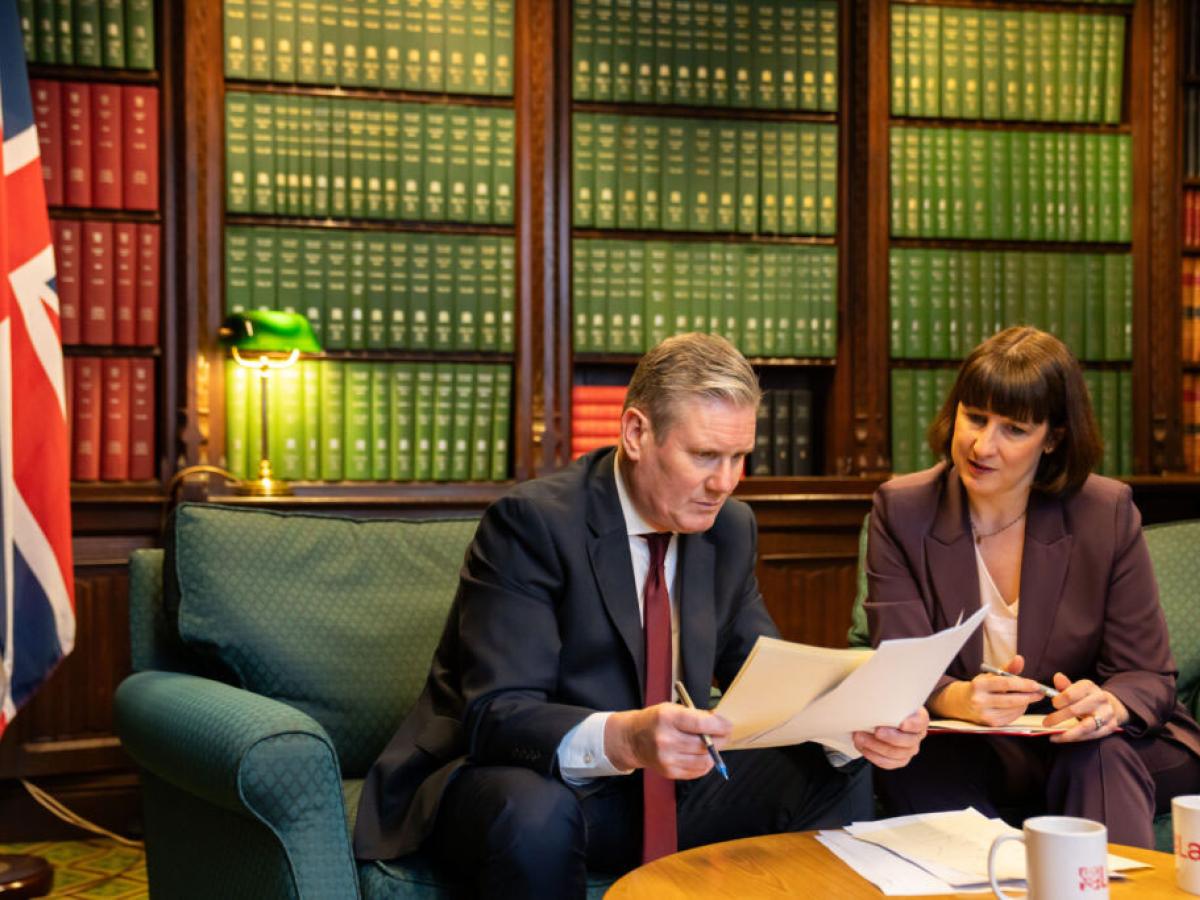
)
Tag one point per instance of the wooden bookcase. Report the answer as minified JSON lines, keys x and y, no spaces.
{"x":808,"y":527}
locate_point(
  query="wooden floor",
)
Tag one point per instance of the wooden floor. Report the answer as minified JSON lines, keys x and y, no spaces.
{"x":91,"y":870}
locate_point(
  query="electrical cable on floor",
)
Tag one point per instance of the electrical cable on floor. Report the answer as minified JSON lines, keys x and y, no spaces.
{"x":72,"y":818}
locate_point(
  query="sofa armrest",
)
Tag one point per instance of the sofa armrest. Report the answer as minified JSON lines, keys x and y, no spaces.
{"x":250,"y":755}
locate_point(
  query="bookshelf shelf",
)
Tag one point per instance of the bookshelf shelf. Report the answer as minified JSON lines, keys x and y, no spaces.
{"x":390,"y":225}
{"x":1010,"y":125}
{"x":725,"y":237}
{"x":762,"y":362}
{"x":118,"y":350}
{"x":1123,"y":9}
{"x":359,"y":93}
{"x":432,"y":356}
{"x":93,"y":75}
{"x":1190,"y":251}
{"x":987,"y":244}
{"x":92,"y":214}
{"x":702,"y":112}
{"x":384,"y":496}
{"x":121,"y":491}
{"x":1191,"y":182}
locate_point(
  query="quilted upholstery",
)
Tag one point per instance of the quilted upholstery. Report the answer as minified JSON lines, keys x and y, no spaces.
{"x":337,"y":617}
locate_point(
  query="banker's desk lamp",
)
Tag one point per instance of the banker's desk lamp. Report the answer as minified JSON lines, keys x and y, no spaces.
{"x":266,"y":340}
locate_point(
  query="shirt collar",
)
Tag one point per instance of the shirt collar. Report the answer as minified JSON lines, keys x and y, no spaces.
{"x":634,"y":523}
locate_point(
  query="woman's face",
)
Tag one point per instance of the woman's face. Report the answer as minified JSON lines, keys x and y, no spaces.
{"x":996,"y":455}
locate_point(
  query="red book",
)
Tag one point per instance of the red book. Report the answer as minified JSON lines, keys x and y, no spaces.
{"x":69,"y":395}
{"x":610,"y":428}
{"x":125,"y":283}
{"x":85,"y":448}
{"x":141,"y":147}
{"x":141,"y":421}
{"x":147,"y":285}
{"x":596,"y":410}
{"x":77,"y":152}
{"x":114,"y":426}
{"x":598,"y":393}
{"x":47,"y":115}
{"x":66,"y":260}
{"x":97,"y":282}
{"x":106,"y":146}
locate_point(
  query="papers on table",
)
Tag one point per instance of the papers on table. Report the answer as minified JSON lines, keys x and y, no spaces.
{"x":788,"y":693}
{"x":1022,"y":726}
{"x":934,"y":853}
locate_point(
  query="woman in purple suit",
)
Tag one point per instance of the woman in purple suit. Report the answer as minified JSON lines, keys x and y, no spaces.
{"x":1013,"y":520}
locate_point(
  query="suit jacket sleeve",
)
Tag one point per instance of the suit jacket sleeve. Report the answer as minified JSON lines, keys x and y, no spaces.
{"x":1135,"y":660}
{"x":509,"y":593}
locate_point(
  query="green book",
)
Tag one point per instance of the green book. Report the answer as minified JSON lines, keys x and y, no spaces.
{"x":443,"y":292}
{"x":954,"y":302}
{"x":310,"y":387}
{"x":581,"y":297}
{"x":977,"y":184}
{"x":1055,"y":293}
{"x":479,"y":47}
{"x":925,"y":176}
{"x":643,"y":52}
{"x":700,"y":290}
{"x":765,"y":24}
{"x":957,"y":187}
{"x":951,"y":99}
{"x":337,"y":279}
{"x":970,"y":309}
{"x":433,"y":78}
{"x":768,"y":178}
{"x":904,"y":451}
{"x":412,"y":130}
{"x":1074,"y":303}
{"x":789,"y":181}
{"x":238,"y":169}
{"x":808,"y":57}
{"x":397,"y":291}
{"x":752,"y":308}
{"x":675,"y":174}
{"x":420,"y":293}
{"x":583,"y":175}
{"x":748,"y":176}
{"x":635,"y":278}
{"x":356,"y":293}
{"x":991,"y":269}
{"x":356,"y":157}
{"x":412,"y":54}
{"x":381,"y":421}
{"x":308,"y":162}
{"x":725,"y":212}
{"x":937,"y":304}
{"x":1094,"y":305}
{"x":456,"y":47}
{"x":25,"y":11}
{"x":583,"y":48}
{"x":238,"y":270}
{"x":480,"y":461}
{"x":466,"y":294}
{"x":650,"y":161}
{"x":1122,"y":182}
{"x":916,"y":341}
{"x":503,"y":168}
{"x":742,"y":39}
{"x":479,"y":183}
{"x":622,"y":51}
{"x":1114,"y":76}
{"x":912,"y":180}
{"x":991,"y":64}
{"x":458,"y":165}
{"x":682,"y":50}
{"x":827,"y":179}
{"x":1103,"y":187}
{"x":390,"y":115}
{"x":373,"y":153}
{"x":1097,"y":70}
{"x":262,"y":152}
{"x":79,"y":32}
{"x":657,"y":292}
{"x":502,"y":47}
{"x":1016,"y":79}
{"x":434,"y":167}
{"x":1065,"y":75}
{"x":263,"y":274}
{"x":931,"y":60}
{"x":508,"y":290}
{"x":350,"y":33}
{"x":293,"y":150}
{"x":1114,"y":306}
{"x":377,"y":305}
{"x":393,"y":46}
{"x":460,"y":431}
{"x":356,"y":421}
{"x":828,"y":39}
{"x":925,"y":404}
{"x":1012,"y":290}
{"x":681,"y":291}
{"x":288,"y":270}
{"x":45,"y":17}
{"x":329,"y":51}
{"x":785,"y":290}
{"x":283,"y":40}
{"x":500,"y":422}
{"x":897,"y":42}
{"x":789,"y":56}
{"x":897,"y":288}
{"x":939,"y":139}
{"x":664,"y":41}
{"x":423,"y":411}
{"x":971,"y":61}
{"x":402,"y":397}
{"x":598,"y":286}
{"x":616,"y":339}
{"x":606,"y":161}
{"x":769,"y":293}
{"x":628,"y":174}
{"x":443,"y":421}
{"x":312,"y":281}
{"x":339,"y":161}
{"x":827,"y":259}
{"x":1034,"y":290}
{"x":489,"y":293}
{"x":730,"y":295}
{"x":1127,"y":294}
{"x":999,"y":189}
{"x":237,"y":419}
{"x":286,"y":436}
{"x":333,"y":420}
{"x":139,"y":34}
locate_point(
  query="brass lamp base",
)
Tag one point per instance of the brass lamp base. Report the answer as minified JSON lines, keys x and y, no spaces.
{"x":264,"y":485}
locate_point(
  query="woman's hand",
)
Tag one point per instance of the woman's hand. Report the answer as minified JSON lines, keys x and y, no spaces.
{"x":1099,"y":712}
{"x":988,"y":699}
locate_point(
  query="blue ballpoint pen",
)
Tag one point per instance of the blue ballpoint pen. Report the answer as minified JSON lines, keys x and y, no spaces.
{"x":712,"y":751}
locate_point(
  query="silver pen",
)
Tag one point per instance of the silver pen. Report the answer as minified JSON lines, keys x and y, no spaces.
{"x":1043,"y":689}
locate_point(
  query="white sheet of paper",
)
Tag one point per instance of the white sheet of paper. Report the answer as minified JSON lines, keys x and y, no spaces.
{"x":892,"y":874}
{"x":790,"y":693}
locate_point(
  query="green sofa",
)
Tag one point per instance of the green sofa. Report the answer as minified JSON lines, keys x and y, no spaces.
{"x":274,"y":654}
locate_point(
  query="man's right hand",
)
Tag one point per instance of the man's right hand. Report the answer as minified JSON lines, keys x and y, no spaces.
{"x":664,"y":737}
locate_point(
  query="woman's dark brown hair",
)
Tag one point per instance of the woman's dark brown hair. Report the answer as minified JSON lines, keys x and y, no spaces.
{"x":1029,"y":376}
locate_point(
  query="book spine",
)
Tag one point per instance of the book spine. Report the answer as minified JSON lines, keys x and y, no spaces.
{"x":458,"y":166}
{"x":67,"y":252}
{"x":500,"y":422}
{"x":502,"y":47}
{"x":98,"y":296}
{"x":77,"y":155}
{"x":460,"y":429}
{"x":114,"y":425}
{"x":141,"y":136}
{"x":86,"y":420}
{"x":139,"y":34}
{"x":828,"y":47}
{"x":48,"y":117}
{"x":479,"y":47}
{"x":481,"y":412}
{"x":237,"y":397}
{"x":503,"y":163}
{"x":401,"y":418}
{"x":443,"y":420}
{"x":381,"y":422}
{"x":124,"y":283}
{"x":357,"y":421}
{"x":423,"y":409}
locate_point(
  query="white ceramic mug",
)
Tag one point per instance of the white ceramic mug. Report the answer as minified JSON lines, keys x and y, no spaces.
{"x":1185,"y":820}
{"x":1065,"y":857}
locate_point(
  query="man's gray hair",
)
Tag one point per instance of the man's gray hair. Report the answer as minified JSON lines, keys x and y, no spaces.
{"x":690,"y":366}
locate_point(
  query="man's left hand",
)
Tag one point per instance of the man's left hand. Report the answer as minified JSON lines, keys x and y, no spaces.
{"x":892,"y":748}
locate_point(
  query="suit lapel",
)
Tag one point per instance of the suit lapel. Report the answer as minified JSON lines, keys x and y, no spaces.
{"x":950,"y":555}
{"x":612,"y":566}
{"x":697,"y":626}
{"x":1043,"y":571}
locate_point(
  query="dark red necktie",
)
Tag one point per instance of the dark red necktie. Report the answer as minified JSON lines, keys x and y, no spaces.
{"x":658,"y":791}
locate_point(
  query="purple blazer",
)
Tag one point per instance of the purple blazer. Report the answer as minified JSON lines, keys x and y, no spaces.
{"x":1089,"y":601}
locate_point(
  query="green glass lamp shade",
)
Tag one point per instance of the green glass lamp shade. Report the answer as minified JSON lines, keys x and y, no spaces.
{"x":268,"y":331}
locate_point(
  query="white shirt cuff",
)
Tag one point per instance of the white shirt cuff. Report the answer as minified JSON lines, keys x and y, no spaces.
{"x":581,"y":754}
{"x":836,"y":758}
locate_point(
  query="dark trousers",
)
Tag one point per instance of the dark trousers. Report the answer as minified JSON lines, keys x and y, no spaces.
{"x":1116,"y":780}
{"x":525,"y":835}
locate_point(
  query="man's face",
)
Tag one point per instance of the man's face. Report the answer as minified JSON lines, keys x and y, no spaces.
{"x":679,"y":481}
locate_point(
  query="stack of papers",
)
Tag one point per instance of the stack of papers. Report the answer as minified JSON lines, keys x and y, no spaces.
{"x":935,"y":853}
{"x":1022,"y":726}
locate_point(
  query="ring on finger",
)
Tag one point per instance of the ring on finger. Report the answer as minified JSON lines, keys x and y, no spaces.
{"x":1098,"y":721}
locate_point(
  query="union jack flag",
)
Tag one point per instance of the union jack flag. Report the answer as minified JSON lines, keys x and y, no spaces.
{"x":37,"y":593}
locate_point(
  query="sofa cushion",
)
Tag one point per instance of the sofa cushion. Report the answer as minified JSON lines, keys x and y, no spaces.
{"x":338,"y":617}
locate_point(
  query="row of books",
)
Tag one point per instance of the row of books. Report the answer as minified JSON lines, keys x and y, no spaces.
{"x":287,"y":154}
{"x":1191,"y":131}
{"x":704,"y":175}
{"x":944,"y":302}
{"x":375,"y":290}
{"x":1191,"y":421}
{"x":1011,"y":185}
{"x":108,"y":282}
{"x":115,"y":34}
{"x":766,"y":54}
{"x":999,"y":64}
{"x":1191,"y":219}
{"x":365,"y":421}
{"x":110,"y":410}
{"x":98,"y":143}
{"x":767,"y":301}
{"x":918,"y":395}
{"x":1189,"y":297}
{"x":783,"y":434}
{"x":454,"y":46}
{"x":595,"y":416}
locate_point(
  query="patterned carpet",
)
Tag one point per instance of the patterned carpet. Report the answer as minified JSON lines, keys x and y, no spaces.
{"x":91,"y":870}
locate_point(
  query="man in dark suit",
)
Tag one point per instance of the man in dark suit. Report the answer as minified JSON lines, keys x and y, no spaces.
{"x":546,"y":739}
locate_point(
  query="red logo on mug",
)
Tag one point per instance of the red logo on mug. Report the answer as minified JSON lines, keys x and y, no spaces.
{"x":1186,"y":849}
{"x":1093,"y":878}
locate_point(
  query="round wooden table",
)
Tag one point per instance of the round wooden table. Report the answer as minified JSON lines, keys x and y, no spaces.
{"x":791,"y":865}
